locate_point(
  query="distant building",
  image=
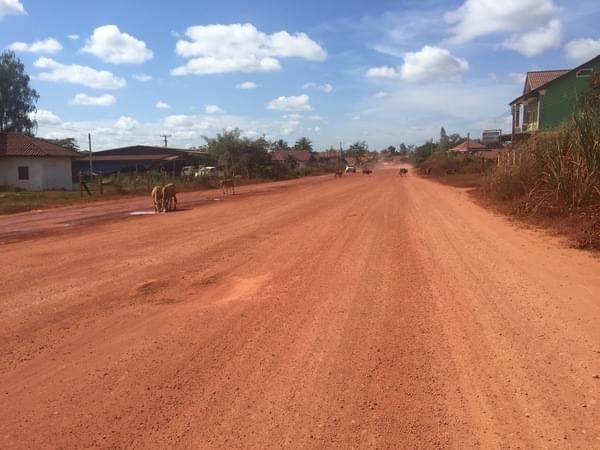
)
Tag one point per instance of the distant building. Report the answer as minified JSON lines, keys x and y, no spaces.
{"x":469,"y":146}
{"x":549,"y":97}
{"x":32,"y":164}
{"x":141,"y":158}
{"x":302,"y":157}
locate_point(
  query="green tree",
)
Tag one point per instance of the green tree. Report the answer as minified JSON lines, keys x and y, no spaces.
{"x":403,"y":149}
{"x":66,"y":142}
{"x":279,"y":144}
{"x":17,"y":99}
{"x":423,"y":152}
{"x":358,"y":149}
{"x":303,"y":144}
{"x":444,"y":143}
{"x":392,"y":150}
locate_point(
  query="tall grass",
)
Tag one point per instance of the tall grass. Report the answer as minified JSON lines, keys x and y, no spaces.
{"x":555,"y":170}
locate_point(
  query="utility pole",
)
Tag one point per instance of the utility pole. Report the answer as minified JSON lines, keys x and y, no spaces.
{"x":166,"y":138}
{"x":90,"y":149}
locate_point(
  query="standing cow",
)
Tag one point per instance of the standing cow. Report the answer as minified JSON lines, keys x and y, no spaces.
{"x":169,"y":197}
{"x":157,"y":198}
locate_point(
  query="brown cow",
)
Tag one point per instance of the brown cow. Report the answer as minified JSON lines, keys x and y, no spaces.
{"x":367,"y":171}
{"x":403,"y":172}
{"x":157,"y":198}
{"x":338,"y":173}
{"x":169,"y":194}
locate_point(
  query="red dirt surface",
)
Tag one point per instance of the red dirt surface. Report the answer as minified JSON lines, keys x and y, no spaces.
{"x":361,"y":312}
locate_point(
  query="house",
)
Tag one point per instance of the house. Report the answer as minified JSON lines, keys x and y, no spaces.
{"x":33,"y":164}
{"x":302,"y":157}
{"x":469,"y":146}
{"x":139,"y":158}
{"x":549,"y":97}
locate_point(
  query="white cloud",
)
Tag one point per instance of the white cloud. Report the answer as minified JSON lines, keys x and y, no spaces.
{"x":382,"y":72}
{"x":126,"y":123}
{"x":75,"y":74}
{"x":45,"y":117}
{"x":246,"y":85}
{"x":517,"y":77}
{"x":162,"y":105}
{"x":581,"y":50}
{"x":48,"y":45}
{"x":213,"y":109}
{"x":316,"y":118}
{"x":356,"y":118}
{"x":11,"y":8}
{"x":141,"y":77}
{"x":291,"y":104}
{"x":86,"y":100}
{"x":381,"y":94}
{"x":476,"y":18}
{"x":73,"y":37}
{"x":111,"y":45}
{"x":327,"y":88}
{"x":432,"y":63}
{"x":292,"y":116}
{"x":241,"y":48}
{"x":537,"y":41}
{"x":317,"y":129}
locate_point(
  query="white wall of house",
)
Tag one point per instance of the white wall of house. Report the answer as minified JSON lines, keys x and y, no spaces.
{"x":45,"y":173}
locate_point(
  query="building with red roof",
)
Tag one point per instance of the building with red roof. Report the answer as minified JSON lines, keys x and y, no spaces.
{"x":32,"y":164}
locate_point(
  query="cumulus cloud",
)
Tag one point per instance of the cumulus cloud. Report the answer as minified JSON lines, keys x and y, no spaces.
{"x":73,"y":37}
{"x":87,"y":100}
{"x":246,"y":85}
{"x":111,"y":45}
{"x":537,"y":41}
{"x":327,"y":88}
{"x":44,"y":117}
{"x":162,"y":105}
{"x":381,"y":94}
{"x":241,"y":48}
{"x":48,"y":45}
{"x":430,"y":63}
{"x":141,"y":77}
{"x":75,"y":74}
{"x":290,"y":104}
{"x":126,"y":123}
{"x":382,"y":72}
{"x":476,"y":18}
{"x":11,"y":8}
{"x":213,"y":109}
{"x":581,"y":50}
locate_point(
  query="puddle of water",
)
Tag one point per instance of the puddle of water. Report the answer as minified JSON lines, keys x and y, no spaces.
{"x":141,"y":213}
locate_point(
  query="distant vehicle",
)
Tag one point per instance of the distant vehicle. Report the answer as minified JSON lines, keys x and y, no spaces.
{"x":350,"y":168}
{"x":207,"y":172}
{"x":188,"y":171}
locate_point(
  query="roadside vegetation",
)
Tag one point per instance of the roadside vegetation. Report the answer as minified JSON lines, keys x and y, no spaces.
{"x":552,"y":178}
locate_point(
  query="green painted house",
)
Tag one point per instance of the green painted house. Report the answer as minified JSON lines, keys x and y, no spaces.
{"x":549,"y":97}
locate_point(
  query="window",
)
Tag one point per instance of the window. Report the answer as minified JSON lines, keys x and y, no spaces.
{"x":23,"y":173}
{"x":584,"y":73}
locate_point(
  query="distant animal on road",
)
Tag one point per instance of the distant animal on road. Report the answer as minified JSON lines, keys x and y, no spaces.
{"x":367,"y":171}
{"x":449,"y":172}
{"x":228,"y":186}
{"x":338,"y":173}
{"x":428,"y":171}
{"x":169,"y":194}
{"x":157,"y":198}
{"x":403,"y":172}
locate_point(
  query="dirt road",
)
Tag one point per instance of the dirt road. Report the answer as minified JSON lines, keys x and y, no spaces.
{"x":362,"y":312}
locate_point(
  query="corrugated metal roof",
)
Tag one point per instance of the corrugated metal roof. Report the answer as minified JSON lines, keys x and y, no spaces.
{"x":17,"y":144}
{"x":102,"y":157}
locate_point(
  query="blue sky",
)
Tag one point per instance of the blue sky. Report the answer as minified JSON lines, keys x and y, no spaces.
{"x":385,"y":72}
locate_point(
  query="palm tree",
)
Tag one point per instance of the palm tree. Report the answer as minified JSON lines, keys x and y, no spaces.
{"x":303,"y":144}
